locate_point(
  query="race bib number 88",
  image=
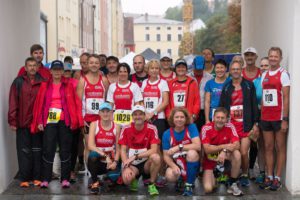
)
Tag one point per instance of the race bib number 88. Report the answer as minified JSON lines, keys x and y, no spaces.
{"x":53,"y":115}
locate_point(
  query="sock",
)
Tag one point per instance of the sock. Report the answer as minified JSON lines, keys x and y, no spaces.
{"x":277,"y":177}
{"x":270,"y":177}
{"x":232,"y":180}
{"x":192,"y":170}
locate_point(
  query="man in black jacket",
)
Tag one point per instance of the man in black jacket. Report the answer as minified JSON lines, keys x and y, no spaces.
{"x":239,"y":98}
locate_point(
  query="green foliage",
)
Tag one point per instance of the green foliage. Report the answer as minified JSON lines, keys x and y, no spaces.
{"x":174,"y":13}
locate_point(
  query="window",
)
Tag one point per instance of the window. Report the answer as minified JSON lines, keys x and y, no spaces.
{"x":157,"y":37}
{"x":158,"y":51}
{"x":147,"y":28}
{"x":170,"y":52}
{"x":158,"y":28}
{"x":169,"y":37}
{"x":168,"y":28}
{"x":179,"y":37}
{"x":147,"y":37}
{"x":180,"y":28}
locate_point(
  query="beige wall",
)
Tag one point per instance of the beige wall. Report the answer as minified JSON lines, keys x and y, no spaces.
{"x":140,"y":38}
{"x":21,"y":20}
{"x":48,"y":7}
{"x":117,"y":24}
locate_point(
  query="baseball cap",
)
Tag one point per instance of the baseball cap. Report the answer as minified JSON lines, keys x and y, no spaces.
{"x":138,"y":107}
{"x":105,"y":105}
{"x":165,"y":55}
{"x":180,"y":62}
{"x":199,"y":62}
{"x":250,"y":50}
{"x":57,"y":64}
{"x":67,"y":66}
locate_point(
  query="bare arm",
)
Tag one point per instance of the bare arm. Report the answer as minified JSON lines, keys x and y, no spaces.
{"x":208,"y":148}
{"x":207,"y":106}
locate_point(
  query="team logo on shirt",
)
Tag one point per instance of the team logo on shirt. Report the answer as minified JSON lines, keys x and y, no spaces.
{"x":266,"y":79}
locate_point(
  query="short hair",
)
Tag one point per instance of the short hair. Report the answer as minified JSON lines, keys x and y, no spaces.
{"x":235,"y":61}
{"x":139,"y":55}
{"x":153,"y":62}
{"x":223,"y":110}
{"x":124,"y":65}
{"x":179,"y":109}
{"x":29,"y":59}
{"x":275,"y":49}
{"x":68,"y":59}
{"x":238,"y":57}
{"x":84,"y":54}
{"x":264,"y":58}
{"x":222,"y":62}
{"x":93,"y":56}
{"x":114,"y":58}
{"x":212,"y":52}
{"x":103,"y":55}
{"x":36,"y":47}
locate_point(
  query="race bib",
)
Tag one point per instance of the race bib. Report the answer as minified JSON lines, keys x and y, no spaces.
{"x":122,"y":117}
{"x":133,"y":152}
{"x":179,"y":99}
{"x":179,"y":154}
{"x":213,"y":156}
{"x":270,"y":97}
{"x":92,"y":105}
{"x":54,"y":115}
{"x":151,"y":103}
{"x":236,"y":113}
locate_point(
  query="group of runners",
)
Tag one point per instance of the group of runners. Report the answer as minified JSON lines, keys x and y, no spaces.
{"x":163,"y":122}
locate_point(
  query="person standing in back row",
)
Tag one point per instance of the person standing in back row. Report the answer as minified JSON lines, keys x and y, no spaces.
{"x":139,"y":66}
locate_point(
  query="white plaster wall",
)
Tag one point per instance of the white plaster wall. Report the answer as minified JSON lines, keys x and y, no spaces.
{"x":267,"y":23}
{"x":19,"y":22}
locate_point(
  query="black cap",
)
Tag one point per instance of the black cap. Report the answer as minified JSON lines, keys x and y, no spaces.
{"x":57,"y":64}
{"x":180,"y":62}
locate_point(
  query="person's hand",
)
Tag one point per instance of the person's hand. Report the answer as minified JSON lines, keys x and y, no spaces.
{"x":173,"y":150}
{"x":149,"y":116}
{"x":112,"y":165}
{"x":41,"y":127}
{"x":129,"y":161}
{"x":176,"y":170}
{"x":13,"y":128}
{"x":230,"y":147}
{"x":284,"y":126}
{"x":207,"y":122}
{"x":221,"y":157}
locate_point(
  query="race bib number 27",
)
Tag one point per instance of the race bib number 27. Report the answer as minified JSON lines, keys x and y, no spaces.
{"x":179,"y":99}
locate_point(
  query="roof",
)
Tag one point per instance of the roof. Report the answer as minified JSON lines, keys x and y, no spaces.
{"x":149,"y":54}
{"x":155,"y":19}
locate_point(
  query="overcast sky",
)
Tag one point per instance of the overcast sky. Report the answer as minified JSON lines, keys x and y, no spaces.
{"x":156,"y":7}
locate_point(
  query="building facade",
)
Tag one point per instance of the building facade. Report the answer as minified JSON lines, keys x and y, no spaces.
{"x":117,"y":28}
{"x":159,"y":34}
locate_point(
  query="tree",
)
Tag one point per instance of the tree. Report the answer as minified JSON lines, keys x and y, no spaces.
{"x":174,"y":13}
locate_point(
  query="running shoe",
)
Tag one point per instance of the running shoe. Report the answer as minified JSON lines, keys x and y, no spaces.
{"x":234,"y":190}
{"x":37,"y":183}
{"x":251,"y":174}
{"x":134,"y":185}
{"x":81,"y":168}
{"x":146,"y":182}
{"x":45,"y":184}
{"x":65,"y":184}
{"x":179,"y":185}
{"x":152,"y":189}
{"x":276,"y":185}
{"x":223,"y":178}
{"x":260,"y":178}
{"x":188,"y":190}
{"x":24,"y":184}
{"x":72,"y":177}
{"x":95,"y":188}
{"x":244,"y":180}
{"x":161,"y":182}
{"x":266,"y":184}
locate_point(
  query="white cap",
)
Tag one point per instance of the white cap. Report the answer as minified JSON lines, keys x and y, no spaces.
{"x":250,"y":50}
{"x":165,"y":55}
{"x":138,"y":107}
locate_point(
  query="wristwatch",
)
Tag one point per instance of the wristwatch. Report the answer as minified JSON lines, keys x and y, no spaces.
{"x":180,"y":147}
{"x":285,"y":119}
